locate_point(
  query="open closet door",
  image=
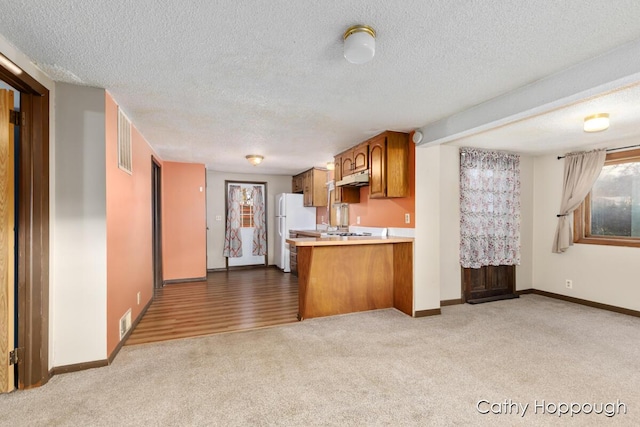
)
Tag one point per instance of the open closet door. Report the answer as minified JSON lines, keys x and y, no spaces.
{"x":7,"y":241}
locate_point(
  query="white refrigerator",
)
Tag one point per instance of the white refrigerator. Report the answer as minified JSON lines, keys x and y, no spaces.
{"x":290,"y":215}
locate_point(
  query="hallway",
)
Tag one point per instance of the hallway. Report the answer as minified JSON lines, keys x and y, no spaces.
{"x":228,"y":301}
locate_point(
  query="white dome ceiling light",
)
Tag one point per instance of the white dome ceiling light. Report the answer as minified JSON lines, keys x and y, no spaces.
{"x":359,"y":44}
{"x":596,"y":122}
{"x":254,"y":159}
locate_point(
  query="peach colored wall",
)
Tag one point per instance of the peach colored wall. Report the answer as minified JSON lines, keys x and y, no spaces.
{"x":184,"y":221}
{"x":129,"y":252}
{"x":387,"y":212}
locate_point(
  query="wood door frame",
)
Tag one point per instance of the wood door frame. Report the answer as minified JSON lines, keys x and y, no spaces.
{"x":33,"y":229}
{"x":156,"y":221}
{"x":266,"y":223}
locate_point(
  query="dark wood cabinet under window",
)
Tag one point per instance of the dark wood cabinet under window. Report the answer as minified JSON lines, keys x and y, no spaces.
{"x":488,"y":283}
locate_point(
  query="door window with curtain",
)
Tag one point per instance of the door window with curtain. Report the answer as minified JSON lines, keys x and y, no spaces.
{"x":248,"y":210}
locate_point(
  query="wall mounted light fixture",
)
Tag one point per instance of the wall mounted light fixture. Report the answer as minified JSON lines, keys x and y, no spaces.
{"x":330,"y":166}
{"x":254,"y":159}
{"x":359,"y":44}
{"x":596,"y":122}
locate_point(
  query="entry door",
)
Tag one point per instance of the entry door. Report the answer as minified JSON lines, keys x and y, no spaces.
{"x":489,"y":283}
{"x":7,"y":241}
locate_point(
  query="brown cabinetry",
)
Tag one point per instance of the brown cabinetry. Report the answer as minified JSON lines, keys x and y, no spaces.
{"x":313,"y":185}
{"x":343,"y":194}
{"x":297,"y":184}
{"x":355,"y":159}
{"x":488,"y":283}
{"x":293,"y":253}
{"x":389,"y":165}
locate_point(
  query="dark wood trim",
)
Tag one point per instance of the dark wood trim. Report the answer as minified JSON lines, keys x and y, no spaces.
{"x":33,"y":229}
{"x":23,"y":82}
{"x":156,"y":222}
{"x":191,"y":279}
{"x":426,"y":313}
{"x":580,"y":301}
{"x":116,"y":350}
{"x":582,"y":214}
{"x":526,"y":291}
{"x":448,"y":302}
{"x":65,"y":369}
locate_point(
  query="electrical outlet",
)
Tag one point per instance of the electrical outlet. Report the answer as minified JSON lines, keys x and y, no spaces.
{"x":407,"y":218}
{"x":138,"y":298}
{"x":218,"y":217}
{"x":357,"y":220}
{"x":568,"y":283}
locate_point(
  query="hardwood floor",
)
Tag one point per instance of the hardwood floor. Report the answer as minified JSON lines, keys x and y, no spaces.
{"x":227,"y":301}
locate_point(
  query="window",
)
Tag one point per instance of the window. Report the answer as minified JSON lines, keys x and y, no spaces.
{"x":246,"y":212}
{"x":610,"y":214}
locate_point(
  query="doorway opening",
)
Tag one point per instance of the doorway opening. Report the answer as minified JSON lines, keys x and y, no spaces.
{"x":246,"y":225}
{"x":31,"y":191}
{"x":156,"y":208}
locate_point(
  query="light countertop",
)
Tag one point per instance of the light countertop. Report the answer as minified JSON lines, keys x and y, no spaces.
{"x":347,"y":240}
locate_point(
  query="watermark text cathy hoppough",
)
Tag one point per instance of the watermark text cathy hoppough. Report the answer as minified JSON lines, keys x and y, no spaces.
{"x":542,"y":407}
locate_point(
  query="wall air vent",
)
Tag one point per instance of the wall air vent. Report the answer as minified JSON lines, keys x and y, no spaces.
{"x":124,"y":143}
{"x":125,"y":324}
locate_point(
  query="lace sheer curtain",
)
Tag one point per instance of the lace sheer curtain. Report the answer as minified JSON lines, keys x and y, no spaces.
{"x":581,"y":170}
{"x":259,"y":222}
{"x":232,"y":238}
{"x":489,"y":208}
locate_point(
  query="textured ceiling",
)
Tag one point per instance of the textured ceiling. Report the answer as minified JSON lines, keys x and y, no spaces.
{"x":212,"y":81}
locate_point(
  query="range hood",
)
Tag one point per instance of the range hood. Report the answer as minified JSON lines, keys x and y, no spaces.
{"x":359,"y":179}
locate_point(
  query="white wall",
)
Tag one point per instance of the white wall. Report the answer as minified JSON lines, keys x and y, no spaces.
{"x":426,"y":268}
{"x":604,"y":274}
{"x":451,"y":280}
{"x":215,"y":207}
{"x":80,"y":294}
{"x":20,"y":59}
{"x":524,"y":272}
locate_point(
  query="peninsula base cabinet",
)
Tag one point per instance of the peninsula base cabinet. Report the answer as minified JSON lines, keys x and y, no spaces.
{"x":345,"y":279}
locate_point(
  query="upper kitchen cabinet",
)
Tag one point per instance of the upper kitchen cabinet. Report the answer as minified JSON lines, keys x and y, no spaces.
{"x":355,"y":159}
{"x":313,"y":185}
{"x":343,"y":194}
{"x":389,"y":171}
{"x":297,"y":184}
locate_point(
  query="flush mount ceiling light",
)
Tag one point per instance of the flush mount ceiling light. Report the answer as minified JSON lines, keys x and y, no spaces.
{"x":254,"y":159}
{"x":596,"y":122}
{"x":359,"y":44}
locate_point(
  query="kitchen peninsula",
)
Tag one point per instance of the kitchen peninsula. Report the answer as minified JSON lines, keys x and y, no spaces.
{"x":340,"y":275}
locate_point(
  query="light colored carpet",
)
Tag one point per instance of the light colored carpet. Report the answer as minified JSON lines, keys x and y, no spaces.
{"x":372,"y":368}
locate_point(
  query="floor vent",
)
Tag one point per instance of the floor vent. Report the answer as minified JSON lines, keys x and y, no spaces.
{"x":125,"y":324}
